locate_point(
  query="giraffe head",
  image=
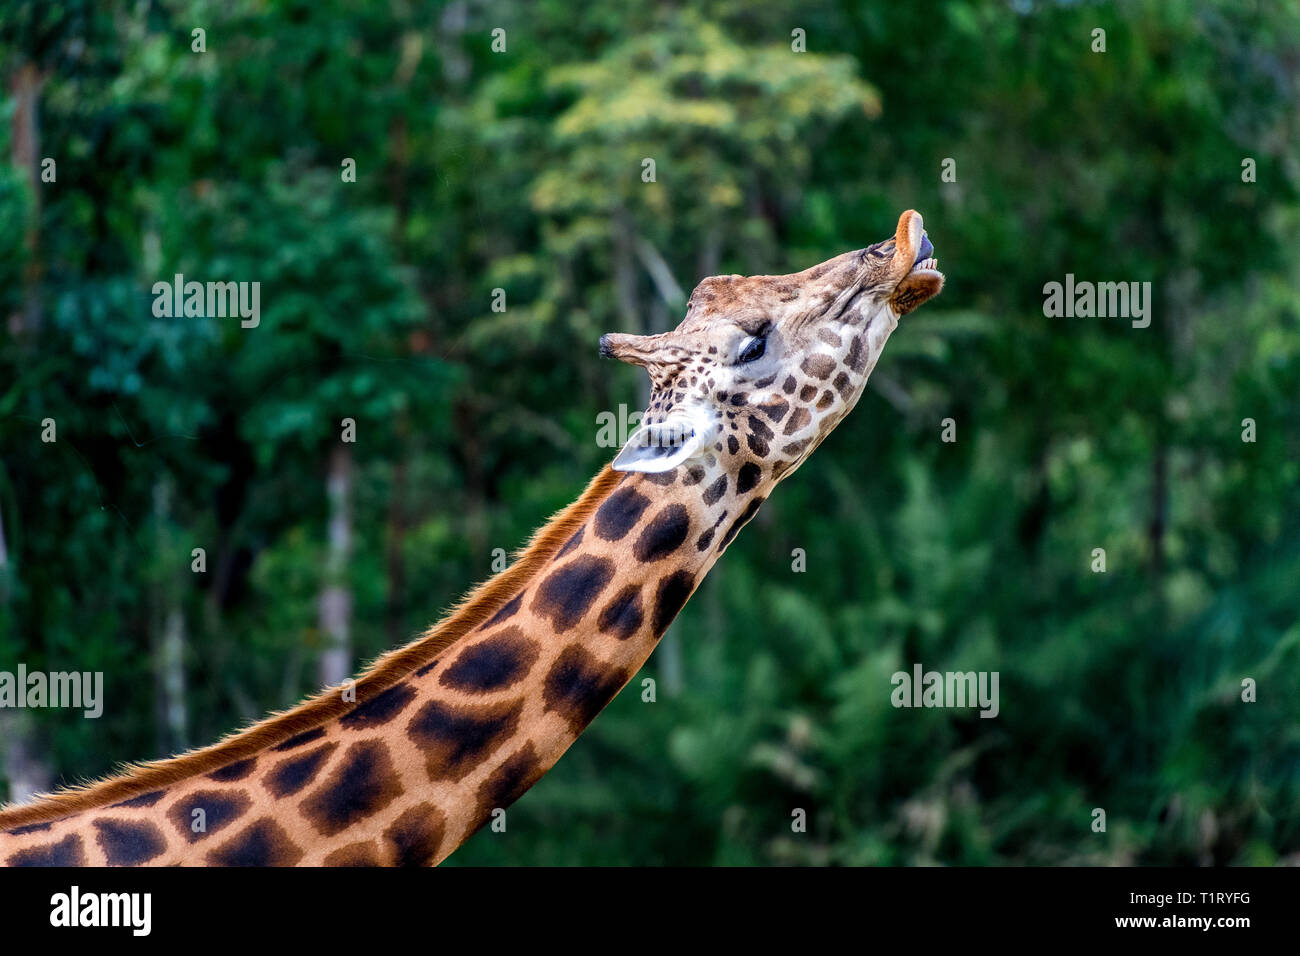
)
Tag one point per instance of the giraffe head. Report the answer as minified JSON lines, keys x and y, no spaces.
{"x":762,"y":368}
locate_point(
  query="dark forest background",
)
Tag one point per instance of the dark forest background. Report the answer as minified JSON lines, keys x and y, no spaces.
{"x":521,"y":170}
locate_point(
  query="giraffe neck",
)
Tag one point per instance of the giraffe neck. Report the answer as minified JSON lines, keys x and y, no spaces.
{"x":456,"y":730}
{"x":532,"y":678}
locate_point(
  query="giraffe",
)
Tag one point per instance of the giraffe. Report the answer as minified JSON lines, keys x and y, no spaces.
{"x":459,"y":723}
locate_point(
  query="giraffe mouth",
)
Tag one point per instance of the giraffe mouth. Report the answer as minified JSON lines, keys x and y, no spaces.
{"x":925,"y":260}
{"x":926,"y":251}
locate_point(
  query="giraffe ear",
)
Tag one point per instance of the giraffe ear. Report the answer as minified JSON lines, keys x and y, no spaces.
{"x":662,"y":446}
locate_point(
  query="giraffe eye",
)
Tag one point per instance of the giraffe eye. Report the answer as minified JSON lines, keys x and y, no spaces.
{"x":752,"y":349}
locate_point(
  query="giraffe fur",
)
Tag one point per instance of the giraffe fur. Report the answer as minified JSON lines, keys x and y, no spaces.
{"x":461,"y":722}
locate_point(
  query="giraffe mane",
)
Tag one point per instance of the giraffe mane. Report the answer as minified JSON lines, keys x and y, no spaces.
{"x":477,"y":606}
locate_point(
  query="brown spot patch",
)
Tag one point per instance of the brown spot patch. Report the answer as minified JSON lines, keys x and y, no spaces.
{"x":775,"y":410}
{"x":129,"y":842}
{"x":758,"y":437}
{"x":235,"y":771}
{"x":492,"y":664}
{"x":715,"y":491}
{"x":819,"y":365}
{"x":363,"y":853}
{"x":364,"y":782}
{"x":798,"y":420}
{"x":415,"y":836}
{"x":568,"y":592}
{"x":291,"y":775}
{"x":741,"y":520}
{"x":506,"y":612}
{"x":671,"y":598}
{"x":579,"y":686}
{"x":857,"y":357}
{"x":759,"y":427}
{"x":297,"y":740}
{"x":380,"y":709}
{"x":66,"y":852}
{"x":622,"y":616}
{"x":144,"y":800}
{"x":35,"y":827}
{"x":807,"y":392}
{"x":455,"y":739}
{"x":264,"y":843}
{"x":509,"y":782}
{"x":220,"y":809}
{"x":843,"y":386}
{"x":574,"y":540}
{"x":663,"y":535}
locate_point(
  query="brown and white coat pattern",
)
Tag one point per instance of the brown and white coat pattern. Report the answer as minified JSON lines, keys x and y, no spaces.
{"x":461,"y":722}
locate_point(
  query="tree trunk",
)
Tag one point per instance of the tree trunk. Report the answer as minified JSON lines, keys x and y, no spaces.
{"x":20,"y":760}
{"x":625,"y":284}
{"x":452,"y":24}
{"x":396,"y":556}
{"x":171,"y":677}
{"x":5,"y":589}
{"x":710,"y":255}
{"x":1159,"y":508}
{"x":24,"y":769}
{"x":170,"y":708}
{"x":22,"y":765}
{"x":336,"y":596}
{"x":25,"y":91}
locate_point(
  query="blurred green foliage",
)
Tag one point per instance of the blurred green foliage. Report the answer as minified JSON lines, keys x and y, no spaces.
{"x":522,"y":171}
